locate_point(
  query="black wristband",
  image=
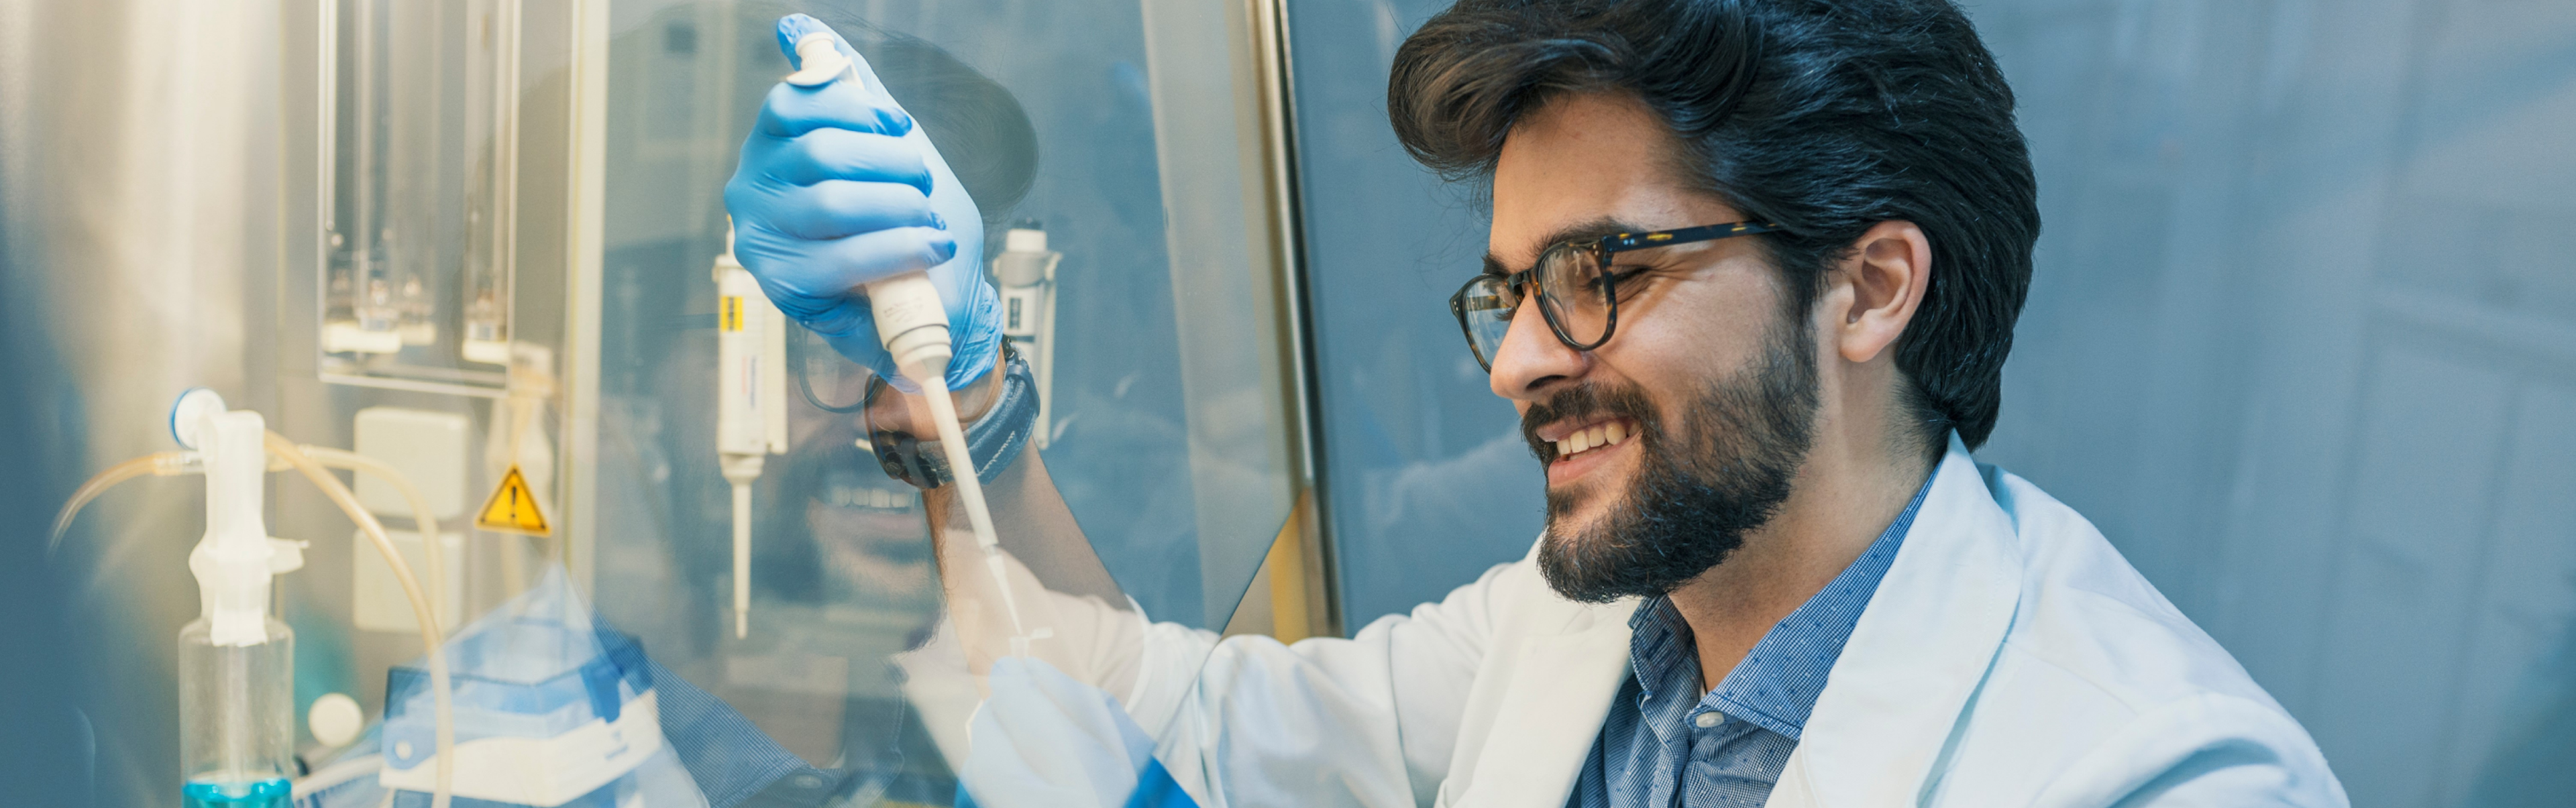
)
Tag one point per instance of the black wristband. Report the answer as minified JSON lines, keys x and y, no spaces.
{"x":992,"y":441}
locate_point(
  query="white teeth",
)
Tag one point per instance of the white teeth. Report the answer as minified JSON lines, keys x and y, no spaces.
{"x":1584,"y":440}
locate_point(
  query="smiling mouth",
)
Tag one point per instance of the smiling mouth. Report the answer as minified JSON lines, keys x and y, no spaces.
{"x":1607,"y":433}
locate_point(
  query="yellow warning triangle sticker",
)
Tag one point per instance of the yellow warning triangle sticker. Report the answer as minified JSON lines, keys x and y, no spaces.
{"x":513,"y":508}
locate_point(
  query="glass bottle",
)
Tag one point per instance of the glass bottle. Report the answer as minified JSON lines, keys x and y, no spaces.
{"x":236,"y":718}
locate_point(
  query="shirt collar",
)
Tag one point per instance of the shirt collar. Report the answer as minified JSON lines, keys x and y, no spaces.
{"x":1777,"y":684}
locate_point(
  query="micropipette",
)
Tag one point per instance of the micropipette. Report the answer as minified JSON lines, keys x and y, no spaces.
{"x":751,"y":404}
{"x":914,"y":328}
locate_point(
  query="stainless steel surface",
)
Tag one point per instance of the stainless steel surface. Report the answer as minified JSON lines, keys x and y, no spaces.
{"x":143,"y":223}
{"x":160,"y":203}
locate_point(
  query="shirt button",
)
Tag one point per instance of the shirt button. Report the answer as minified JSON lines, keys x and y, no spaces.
{"x":1706,"y":720}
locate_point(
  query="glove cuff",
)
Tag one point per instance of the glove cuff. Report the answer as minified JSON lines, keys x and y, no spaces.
{"x":974,"y":358}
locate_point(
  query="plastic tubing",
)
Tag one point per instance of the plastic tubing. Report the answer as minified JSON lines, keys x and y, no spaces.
{"x":431,"y":638}
{"x":157,"y":464}
{"x":420,"y":512}
{"x":171,"y":464}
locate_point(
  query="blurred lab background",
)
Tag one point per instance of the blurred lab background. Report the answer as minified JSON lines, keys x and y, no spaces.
{"x":2301,"y":339}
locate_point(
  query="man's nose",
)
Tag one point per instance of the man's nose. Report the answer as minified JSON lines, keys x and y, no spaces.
{"x":1531,"y":359}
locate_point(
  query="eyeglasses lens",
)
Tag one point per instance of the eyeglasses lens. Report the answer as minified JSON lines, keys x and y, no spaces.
{"x":1571,"y":290}
{"x":1486,"y":309}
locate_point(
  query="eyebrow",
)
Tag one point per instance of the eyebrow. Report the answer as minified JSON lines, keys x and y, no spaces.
{"x":1579,"y":231}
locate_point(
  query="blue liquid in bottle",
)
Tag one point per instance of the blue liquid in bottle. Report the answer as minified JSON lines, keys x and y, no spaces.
{"x":270,"y":793}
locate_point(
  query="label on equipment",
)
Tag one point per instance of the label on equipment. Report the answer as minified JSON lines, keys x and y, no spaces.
{"x":513,"y":508}
{"x":729,"y":313}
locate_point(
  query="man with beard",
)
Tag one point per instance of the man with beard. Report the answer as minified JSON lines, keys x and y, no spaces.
{"x":1752,"y":277}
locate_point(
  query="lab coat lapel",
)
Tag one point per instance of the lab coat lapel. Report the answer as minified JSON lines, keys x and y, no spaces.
{"x":1559,"y":694}
{"x":1884,"y":721}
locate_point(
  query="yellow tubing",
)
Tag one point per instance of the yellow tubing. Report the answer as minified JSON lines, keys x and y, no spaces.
{"x":430,"y":636}
{"x":420,"y":511}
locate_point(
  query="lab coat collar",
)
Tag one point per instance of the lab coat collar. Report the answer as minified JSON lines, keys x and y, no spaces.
{"x":1564,"y":676}
{"x":1886,"y":718}
{"x":1553,"y":708}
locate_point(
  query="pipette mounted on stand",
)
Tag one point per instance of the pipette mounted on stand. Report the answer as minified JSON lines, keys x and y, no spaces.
{"x":751,"y":403}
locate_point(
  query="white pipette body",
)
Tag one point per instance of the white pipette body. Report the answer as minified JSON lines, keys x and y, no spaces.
{"x":751,"y":410}
{"x":915,"y":329}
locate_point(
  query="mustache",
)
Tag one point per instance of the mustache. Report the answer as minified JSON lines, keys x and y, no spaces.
{"x":1586,"y":401}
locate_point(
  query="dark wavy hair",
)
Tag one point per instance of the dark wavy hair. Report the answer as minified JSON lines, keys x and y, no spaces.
{"x":1825,"y":116}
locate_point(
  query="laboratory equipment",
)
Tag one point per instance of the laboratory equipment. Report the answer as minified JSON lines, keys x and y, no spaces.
{"x":593,"y":351}
{"x":236,"y":661}
{"x":492,"y":220}
{"x":422,"y":611}
{"x":412,"y":463}
{"x":552,"y":707}
{"x":1024,"y":273}
{"x":519,"y":458}
{"x":335,"y":719}
{"x":421,"y":111}
{"x":751,"y":403}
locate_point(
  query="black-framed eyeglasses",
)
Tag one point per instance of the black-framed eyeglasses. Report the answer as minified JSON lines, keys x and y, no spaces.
{"x":1578,"y":293}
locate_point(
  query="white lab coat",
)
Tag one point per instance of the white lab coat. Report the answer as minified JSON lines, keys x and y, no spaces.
{"x":2010,"y":657}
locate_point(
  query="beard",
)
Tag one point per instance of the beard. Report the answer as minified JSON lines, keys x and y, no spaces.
{"x":1699,"y":488}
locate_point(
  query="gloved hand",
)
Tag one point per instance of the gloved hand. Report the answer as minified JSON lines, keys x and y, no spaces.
{"x":1043,"y":739}
{"x":838,"y":188}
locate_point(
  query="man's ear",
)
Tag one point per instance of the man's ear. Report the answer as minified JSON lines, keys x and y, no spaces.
{"x":1887,"y":272}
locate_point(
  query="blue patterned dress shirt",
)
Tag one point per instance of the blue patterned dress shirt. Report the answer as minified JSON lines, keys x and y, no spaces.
{"x":1666,"y":745}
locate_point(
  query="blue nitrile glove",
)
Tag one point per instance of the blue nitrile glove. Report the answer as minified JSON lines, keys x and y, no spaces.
{"x":837,"y":188}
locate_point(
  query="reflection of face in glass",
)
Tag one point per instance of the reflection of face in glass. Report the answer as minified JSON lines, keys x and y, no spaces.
{"x":847,"y":537}
{"x":870,"y":535}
